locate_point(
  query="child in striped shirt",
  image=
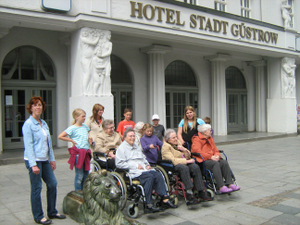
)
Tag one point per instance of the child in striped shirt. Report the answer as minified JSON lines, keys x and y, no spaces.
{"x":80,"y":154}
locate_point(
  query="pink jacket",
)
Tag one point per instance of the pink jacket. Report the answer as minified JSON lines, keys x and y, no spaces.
{"x":84,"y":157}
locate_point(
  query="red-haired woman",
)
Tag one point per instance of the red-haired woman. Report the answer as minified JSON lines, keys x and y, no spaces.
{"x":40,"y":161}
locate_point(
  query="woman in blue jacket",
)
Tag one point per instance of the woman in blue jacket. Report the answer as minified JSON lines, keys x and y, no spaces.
{"x":40,"y":161}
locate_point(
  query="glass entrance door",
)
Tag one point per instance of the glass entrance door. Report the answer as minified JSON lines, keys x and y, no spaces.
{"x":15,"y":113}
{"x":237,"y":112}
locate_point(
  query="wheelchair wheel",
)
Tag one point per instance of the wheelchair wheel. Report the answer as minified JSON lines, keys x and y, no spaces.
{"x":174,"y":199}
{"x":211,"y":193}
{"x":133,"y":211}
{"x":122,"y":185}
{"x":94,"y":166}
{"x":165,"y":176}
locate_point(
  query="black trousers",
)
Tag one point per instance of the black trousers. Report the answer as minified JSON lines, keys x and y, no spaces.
{"x":189,"y":171}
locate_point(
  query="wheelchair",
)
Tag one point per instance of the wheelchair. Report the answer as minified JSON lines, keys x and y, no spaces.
{"x":131,"y":189}
{"x":209,"y":179}
{"x":175,"y":184}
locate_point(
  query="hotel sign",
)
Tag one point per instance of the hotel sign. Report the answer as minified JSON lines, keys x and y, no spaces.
{"x":200,"y":23}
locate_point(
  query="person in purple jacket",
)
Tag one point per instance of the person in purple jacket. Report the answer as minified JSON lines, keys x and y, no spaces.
{"x":151,"y":144}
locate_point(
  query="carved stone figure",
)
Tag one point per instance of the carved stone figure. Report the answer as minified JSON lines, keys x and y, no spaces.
{"x":95,"y":61}
{"x":102,"y":66}
{"x":286,"y":14}
{"x":98,"y":203}
{"x":89,"y":38}
{"x":288,"y":78}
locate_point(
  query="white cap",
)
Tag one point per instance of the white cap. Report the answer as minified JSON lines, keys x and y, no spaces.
{"x":155,"y":117}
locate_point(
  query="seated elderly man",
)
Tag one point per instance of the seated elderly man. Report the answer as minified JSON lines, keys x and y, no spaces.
{"x":204,"y":144}
{"x":189,"y":171}
{"x":130,"y":156}
{"x":107,"y":141}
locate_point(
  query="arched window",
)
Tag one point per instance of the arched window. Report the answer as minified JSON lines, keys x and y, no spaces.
{"x":121,"y":87}
{"x":27,"y":63}
{"x":234,"y":78}
{"x":26,"y":71}
{"x":236,"y":100}
{"x":181,"y":90}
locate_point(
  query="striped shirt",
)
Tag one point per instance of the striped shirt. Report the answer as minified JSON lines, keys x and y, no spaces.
{"x":80,"y":135}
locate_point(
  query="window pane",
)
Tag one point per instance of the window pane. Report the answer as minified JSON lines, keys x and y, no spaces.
{"x":14,"y":112}
{"x":119,"y":71}
{"x":10,"y":66}
{"x":179,"y":73}
{"x":234,"y":78}
{"x":28,"y":63}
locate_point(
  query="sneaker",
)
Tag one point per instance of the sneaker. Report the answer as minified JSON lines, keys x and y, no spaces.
{"x":151,"y":209}
{"x":191,"y":200}
{"x":203,"y":196}
{"x":225,"y":189}
{"x":234,"y":187}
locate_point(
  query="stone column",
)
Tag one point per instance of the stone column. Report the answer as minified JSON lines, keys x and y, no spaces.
{"x":281,"y":102}
{"x":218,"y":82}
{"x":156,"y":81}
{"x":90,"y":71}
{"x":261,"y":95}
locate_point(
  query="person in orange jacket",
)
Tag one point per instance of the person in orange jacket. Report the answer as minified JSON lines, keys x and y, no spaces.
{"x":204,"y":144}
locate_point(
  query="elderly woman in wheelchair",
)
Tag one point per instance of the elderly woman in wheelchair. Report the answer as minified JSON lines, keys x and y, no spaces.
{"x":107,"y":141}
{"x":204,"y":149}
{"x":189,"y":172}
{"x":130,"y":157}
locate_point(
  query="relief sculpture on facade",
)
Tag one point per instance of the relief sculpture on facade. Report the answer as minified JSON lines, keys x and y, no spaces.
{"x":288,"y":67}
{"x":286,"y":14}
{"x":96,"y":49}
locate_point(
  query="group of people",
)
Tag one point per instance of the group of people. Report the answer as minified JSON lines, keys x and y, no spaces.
{"x":136,"y":147}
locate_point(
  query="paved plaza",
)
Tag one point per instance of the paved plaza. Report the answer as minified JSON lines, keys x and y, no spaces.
{"x":268,"y":172}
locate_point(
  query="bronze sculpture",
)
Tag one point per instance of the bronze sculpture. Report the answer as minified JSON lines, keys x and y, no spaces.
{"x":97,"y":203}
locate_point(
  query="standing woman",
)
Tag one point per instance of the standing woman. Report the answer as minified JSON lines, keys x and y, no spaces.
{"x":40,"y":161}
{"x":95,"y":122}
{"x":187,"y":127}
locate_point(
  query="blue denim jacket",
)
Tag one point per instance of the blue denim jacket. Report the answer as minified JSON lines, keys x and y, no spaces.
{"x":34,"y":138}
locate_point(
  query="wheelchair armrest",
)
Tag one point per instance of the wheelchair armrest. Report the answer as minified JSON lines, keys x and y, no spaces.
{"x":95,"y":154}
{"x":119,"y":170}
{"x":167,"y":163}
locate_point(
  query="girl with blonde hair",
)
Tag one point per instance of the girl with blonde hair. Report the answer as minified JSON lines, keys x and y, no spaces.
{"x":187,"y":127}
{"x":80,"y":153}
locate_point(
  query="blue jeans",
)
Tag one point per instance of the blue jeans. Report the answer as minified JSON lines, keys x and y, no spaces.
{"x":80,"y":176}
{"x":46,"y":173}
{"x":152,"y":180}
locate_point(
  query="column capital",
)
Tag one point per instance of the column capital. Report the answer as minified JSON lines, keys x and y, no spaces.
{"x":162,"y":49}
{"x":258,"y":63}
{"x":219,"y":57}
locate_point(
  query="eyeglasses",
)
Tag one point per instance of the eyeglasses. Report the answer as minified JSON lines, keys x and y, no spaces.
{"x":110,"y":128}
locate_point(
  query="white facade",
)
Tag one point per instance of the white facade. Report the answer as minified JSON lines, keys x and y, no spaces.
{"x":148,"y":36}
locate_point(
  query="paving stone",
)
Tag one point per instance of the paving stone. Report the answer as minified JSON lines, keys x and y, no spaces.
{"x":285,"y":219}
{"x":293,"y":195}
{"x":256,"y":211}
{"x":285,"y":209}
{"x":293,"y":202}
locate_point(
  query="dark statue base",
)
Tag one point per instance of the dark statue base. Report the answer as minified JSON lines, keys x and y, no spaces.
{"x":97,"y":204}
